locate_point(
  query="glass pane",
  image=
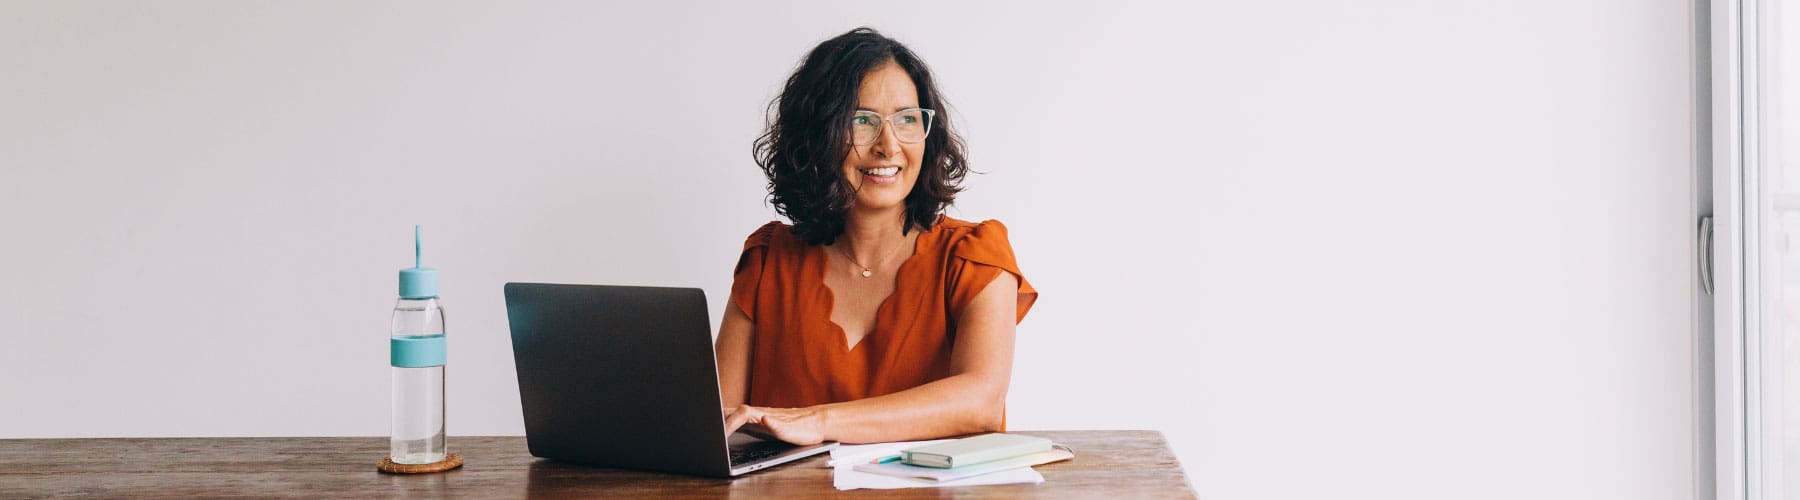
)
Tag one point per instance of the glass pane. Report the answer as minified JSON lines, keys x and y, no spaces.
{"x":1779,"y":262}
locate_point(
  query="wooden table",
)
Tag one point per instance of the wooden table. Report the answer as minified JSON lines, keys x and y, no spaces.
{"x":1115,"y":464}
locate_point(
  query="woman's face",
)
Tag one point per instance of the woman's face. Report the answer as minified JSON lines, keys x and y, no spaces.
{"x":883,"y":171}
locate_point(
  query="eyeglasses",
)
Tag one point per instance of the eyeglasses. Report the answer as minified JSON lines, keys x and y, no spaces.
{"x":910,"y":125}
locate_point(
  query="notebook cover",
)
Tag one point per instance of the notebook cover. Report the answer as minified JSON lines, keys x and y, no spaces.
{"x":974,"y":450}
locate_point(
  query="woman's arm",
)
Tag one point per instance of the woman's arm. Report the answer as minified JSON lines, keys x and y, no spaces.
{"x":732,"y":350}
{"x":972,"y":399}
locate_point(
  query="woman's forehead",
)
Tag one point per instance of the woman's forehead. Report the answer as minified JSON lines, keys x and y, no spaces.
{"x":887,"y":89}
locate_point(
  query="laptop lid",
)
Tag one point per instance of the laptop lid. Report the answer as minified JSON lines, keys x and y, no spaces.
{"x":618,"y":376}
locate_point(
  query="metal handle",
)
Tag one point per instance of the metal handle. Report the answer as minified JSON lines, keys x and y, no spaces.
{"x":1706,"y":260}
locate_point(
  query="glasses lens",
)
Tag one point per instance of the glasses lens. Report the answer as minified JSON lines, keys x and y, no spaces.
{"x":910,"y":125}
{"x":864,"y":127}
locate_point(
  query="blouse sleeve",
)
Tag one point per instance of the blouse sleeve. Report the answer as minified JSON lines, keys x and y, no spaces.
{"x":979,"y":257}
{"x":749,"y":271}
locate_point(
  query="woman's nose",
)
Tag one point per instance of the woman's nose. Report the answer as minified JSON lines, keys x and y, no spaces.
{"x":888,"y":145}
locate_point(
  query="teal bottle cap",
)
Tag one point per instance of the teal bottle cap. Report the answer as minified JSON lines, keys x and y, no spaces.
{"x":418,"y":282}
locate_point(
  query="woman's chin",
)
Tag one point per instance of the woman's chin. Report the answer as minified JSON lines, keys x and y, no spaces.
{"x":879,"y":200}
{"x":882,"y":192}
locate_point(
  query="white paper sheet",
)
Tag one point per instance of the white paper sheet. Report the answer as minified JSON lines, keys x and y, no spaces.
{"x":845,"y":456}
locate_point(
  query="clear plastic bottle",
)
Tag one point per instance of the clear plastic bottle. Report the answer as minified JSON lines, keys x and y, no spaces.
{"x":416,"y":347}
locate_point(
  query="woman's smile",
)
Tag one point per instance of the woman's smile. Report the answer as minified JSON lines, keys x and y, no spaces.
{"x":881,"y":175}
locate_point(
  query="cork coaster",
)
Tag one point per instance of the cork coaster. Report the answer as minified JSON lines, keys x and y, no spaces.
{"x":450,"y":461}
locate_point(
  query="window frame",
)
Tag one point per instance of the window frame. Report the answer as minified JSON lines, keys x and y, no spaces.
{"x":1731,"y":425}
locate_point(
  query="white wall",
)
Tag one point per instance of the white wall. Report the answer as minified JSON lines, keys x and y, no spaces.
{"x":1380,"y":249}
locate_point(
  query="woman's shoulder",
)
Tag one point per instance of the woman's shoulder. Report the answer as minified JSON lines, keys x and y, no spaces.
{"x":762,"y":235}
{"x":773,"y":234}
{"x":777,"y":244}
{"x":980,"y":241}
{"x":954,"y":228}
{"x":772,"y":245}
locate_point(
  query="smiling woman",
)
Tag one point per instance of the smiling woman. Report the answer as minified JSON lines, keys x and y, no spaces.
{"x":836,"y":332}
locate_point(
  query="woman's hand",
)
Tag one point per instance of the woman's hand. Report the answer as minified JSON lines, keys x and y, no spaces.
{"x":800,"y":426}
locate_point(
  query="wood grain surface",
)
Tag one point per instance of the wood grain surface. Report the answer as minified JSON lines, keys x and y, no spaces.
{"x":1107,"y":464}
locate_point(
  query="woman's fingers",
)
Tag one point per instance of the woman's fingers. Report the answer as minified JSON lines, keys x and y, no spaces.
{"x":776,"y":427}
{"x":775,"y":424}
{"x":790,"y":425}
{"x":742,"y":415}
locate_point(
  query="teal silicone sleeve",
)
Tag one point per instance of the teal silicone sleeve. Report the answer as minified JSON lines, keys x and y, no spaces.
{"x":416,"y":352}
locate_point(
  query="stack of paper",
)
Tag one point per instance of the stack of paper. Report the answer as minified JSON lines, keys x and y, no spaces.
{"x":1023,"y":462}
{"x":857,"y":466}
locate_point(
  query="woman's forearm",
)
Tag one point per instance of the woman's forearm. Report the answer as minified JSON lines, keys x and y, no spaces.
{"x":959,"y":404}
{"x":731,"y":352}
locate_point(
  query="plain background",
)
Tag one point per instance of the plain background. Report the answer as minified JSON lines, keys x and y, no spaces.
{"x":1385,"y":248}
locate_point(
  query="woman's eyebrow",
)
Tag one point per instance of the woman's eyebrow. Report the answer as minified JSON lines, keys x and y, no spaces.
{"x":860,"y":108}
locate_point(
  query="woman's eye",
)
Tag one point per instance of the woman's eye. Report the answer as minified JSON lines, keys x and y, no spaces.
{"x":861,"y":120}
{"x":909,"y":119}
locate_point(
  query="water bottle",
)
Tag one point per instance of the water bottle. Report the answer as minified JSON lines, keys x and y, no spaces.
{"x":416,"y":352}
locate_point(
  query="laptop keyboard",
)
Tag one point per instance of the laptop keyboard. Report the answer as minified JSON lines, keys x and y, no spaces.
{"x":757,"y":451}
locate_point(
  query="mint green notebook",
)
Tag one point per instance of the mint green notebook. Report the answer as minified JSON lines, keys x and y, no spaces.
{"x":974,"y":450}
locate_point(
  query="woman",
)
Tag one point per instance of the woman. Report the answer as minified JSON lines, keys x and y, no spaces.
{"x":872,"y":317}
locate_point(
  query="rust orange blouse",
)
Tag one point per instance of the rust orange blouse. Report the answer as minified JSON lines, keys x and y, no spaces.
{"x":798,"y":356}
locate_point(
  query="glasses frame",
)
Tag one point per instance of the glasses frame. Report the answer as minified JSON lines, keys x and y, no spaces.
{"x":885,"y":121}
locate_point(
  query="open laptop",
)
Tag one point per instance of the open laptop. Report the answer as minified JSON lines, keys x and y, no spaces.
{"x":625,"y":377}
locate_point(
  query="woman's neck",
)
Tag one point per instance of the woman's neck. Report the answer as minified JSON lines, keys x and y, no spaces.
{"x":874,"y":236}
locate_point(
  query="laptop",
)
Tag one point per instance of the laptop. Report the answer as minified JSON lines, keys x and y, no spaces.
{"x":624,"y":376}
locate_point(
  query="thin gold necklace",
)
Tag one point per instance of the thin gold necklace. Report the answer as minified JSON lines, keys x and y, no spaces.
{"x":866,"y":272}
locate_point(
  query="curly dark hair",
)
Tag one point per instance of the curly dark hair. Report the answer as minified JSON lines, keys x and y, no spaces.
{"x":802,"y":151}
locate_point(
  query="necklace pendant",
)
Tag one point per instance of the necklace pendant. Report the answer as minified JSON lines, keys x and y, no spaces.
{"x":866,"y":272}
